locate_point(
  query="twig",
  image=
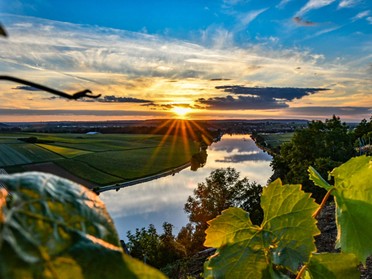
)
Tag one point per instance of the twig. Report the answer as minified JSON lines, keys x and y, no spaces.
{"x":302,"y":270}
{"x":77,"y":95}
{"x":315,"y":214}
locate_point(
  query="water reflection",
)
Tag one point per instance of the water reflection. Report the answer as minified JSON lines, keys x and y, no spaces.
{"x":199,"y":159}
{"x":163,"y":199}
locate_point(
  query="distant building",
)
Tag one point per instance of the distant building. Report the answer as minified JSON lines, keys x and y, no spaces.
{"x":92,"y":133}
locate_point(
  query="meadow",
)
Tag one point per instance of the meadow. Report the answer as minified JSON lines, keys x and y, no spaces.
{"x":276,"y":139}
{"x":100,"y":159}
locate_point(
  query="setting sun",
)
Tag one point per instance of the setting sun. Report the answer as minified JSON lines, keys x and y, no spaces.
{"x":181,"y":111}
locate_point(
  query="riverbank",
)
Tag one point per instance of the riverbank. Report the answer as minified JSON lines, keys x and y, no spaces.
{"x":118,"y":186}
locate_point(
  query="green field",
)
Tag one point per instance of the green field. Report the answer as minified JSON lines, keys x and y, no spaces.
{"x":101,"y":159}
{"x":275,"y":140}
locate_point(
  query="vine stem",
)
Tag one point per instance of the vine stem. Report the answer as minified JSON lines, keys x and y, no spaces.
{"x":302,"y":270}
{"x":316,"y":213}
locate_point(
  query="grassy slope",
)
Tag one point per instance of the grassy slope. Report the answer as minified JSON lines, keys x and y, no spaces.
{"x":102,"y":159}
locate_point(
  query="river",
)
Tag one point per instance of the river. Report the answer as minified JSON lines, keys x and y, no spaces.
{"x":163,"y":199}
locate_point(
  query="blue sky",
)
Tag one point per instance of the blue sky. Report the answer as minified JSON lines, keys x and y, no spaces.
{"x":186,"y":53}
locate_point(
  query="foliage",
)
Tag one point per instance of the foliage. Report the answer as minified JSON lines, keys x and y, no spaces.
{"x":254,"y":250}
{"x":285,"y":240}
{"x":53,"y":228}
{"x":328,"y":266}
{"x":363,"y":137}
{"x":321,"y":145}
{"x":221,"y":190}
{"x":154,"y":249}
{"x":353,"y":198}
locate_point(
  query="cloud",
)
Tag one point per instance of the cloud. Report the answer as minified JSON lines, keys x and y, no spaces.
{"x":282,"y":93}
{"x":241,"y":103}
{"x":245,"y":158}
{"x":312,"y":5}
{"x":57,"y":112}
{"x":167,"y":107}
{"x":245,"y":19}
{"x":283,"y":3}
{"x":72,"y":57}
{"x":348,"y":3}
{"x":27,"y":88}
{"x":220,"y":79}
{"x":361,"y":15}
{"x":115,"y":99}
{"x":302,"y":22}
{"x":329,"y":111}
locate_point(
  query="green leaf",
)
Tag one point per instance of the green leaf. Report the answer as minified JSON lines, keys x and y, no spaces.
{"x":53,"y":228}
{"x":353,"y":197}
{"x":241,"y":254}
{"x":333,"y":266}
{"x":288,"y":216}
{"x":318,"y":179}
{"x":285,"y":237}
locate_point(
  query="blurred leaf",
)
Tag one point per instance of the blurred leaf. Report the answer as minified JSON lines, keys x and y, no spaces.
{"x":332,"y":266}
{"x":53,"y":228}
{"x":353,"y":197}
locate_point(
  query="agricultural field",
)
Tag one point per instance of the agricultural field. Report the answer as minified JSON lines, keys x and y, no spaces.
{"x":100,"y":159}
{"x":277,"y":139}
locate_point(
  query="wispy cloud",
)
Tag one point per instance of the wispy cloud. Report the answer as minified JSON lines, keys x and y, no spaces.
{"x":348,"y":3}
{"x":322,"y":111}
{"x":361,"y":15}
{"x":245,"y":19}
{"x":283,"y":3}
{"x":312,"y":5}
{"x":26,"y":88}
{"x":133,"y":69}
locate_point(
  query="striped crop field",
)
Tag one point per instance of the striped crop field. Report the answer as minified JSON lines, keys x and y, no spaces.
{"x":64,"y":151}
{"x":100,"y":159}
{"x":10,"y":156}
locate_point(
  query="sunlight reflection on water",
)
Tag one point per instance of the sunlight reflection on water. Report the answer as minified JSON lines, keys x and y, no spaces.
{"x":161,"y":200}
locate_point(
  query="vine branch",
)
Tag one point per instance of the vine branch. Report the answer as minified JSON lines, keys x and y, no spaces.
{"x":75,"y":96}
{"x":316,"y":213}
{"x":302,"y":270}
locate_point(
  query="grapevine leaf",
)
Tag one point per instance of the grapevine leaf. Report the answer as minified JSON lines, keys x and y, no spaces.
{"x":240,"y":243}
{"x":53,"y":228}
{"x":288,"y":216}
{"x":318,"y":179}
{"x":285,"y":237}
{"x":333,"y":266}
{"x":353,"y":197}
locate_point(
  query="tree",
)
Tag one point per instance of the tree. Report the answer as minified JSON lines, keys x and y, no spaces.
{"x":221,"y":190}
{"x":154,"y":249}
{"x":323,"y":145}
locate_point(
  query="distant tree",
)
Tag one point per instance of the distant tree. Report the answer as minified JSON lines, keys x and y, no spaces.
{"x":144,"y":245}
{"x":221,"y":190}
{"x":323,"y":145}
{"x":154,"y":249}
{"x":363,"y":137}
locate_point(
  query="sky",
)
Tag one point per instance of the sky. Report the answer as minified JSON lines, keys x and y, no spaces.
{"x":196,"y":59}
